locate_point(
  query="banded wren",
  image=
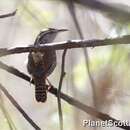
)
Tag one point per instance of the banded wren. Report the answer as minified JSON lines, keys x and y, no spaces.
{"x":41,"y":64}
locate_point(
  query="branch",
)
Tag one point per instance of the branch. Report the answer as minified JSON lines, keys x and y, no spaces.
{"x":72,"y":10}
{"x":66,"y":98}
{"x":14,"y":71}
{"x":6,"y":114}
{"x":67,"y":45}
{"x":59,"y":89}
{"x":117,"y":12}
{"x":71,"y":7}
{"x":8,"y":15}
{"x":12,"y":100}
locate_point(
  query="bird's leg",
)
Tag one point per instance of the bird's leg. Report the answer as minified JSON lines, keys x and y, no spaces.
{"x":49,"y":86}
{"x":31,"y":79}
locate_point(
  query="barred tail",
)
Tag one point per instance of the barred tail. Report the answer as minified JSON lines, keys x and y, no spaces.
{"x":40,"y":90}
{"x":40,"y":93}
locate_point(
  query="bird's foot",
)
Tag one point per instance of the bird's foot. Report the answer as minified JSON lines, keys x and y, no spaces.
{"x":31,"y":79}
{"x":49,"y":85}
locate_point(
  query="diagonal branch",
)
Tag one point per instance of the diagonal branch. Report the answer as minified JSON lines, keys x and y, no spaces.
{"x":68,"y":99}
{"x":67,"y":45}
{"x":72,"y":10}
{"x":6,"y":114}
{"x":12,"y":100}
{"x":8,"y":15}
{"x":117,"y":12}
{"x":71,"y":7}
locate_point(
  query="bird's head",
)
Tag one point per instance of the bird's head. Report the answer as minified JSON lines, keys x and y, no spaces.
{"x":52,"y":31}
{"x":48,"y":35}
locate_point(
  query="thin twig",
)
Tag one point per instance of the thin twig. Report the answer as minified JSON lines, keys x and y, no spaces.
{"x":67,"y":45}
{"x":68,"y":99}
{"x":8,"y":15}
{"x":59,"y":89}
{"x":6,"y":114}
{"x":72,"y":9}
{"x":13,"y":101}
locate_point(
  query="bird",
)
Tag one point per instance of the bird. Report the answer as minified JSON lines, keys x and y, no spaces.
{"x":41,"y":64}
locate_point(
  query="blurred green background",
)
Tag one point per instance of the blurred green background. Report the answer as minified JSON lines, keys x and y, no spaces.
{"x":109,"y":66}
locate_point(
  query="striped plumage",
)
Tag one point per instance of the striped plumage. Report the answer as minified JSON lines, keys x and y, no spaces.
{"x":41,"y":64}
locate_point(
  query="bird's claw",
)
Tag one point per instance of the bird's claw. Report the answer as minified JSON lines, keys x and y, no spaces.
{"x":31,"y":79}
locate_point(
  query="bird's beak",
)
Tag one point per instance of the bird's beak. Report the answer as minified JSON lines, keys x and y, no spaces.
{"x":62,"y":30}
